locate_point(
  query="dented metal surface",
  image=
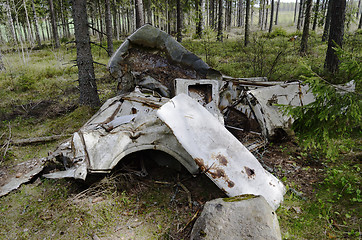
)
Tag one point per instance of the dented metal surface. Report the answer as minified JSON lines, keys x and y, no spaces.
{"x":265,"y":103}
{"x":217,"y":152}
{"x":122,"y":126}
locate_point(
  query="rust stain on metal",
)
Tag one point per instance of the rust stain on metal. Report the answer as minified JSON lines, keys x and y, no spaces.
{"x":110,"y":118}
{"x":231,"y":184}
{"x":201,"y":164}
{"x":250,"y":172}
{"x":222,"y":160}
{"x":217,"y":173}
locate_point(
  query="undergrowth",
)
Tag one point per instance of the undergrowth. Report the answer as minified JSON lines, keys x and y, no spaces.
{"x":44,"y":208}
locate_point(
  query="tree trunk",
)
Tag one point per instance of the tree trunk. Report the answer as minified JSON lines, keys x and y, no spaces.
{"x":304,"y":41}
{"x":11,"y":22}
{"x":262,"y":15}
{"x":212,"y":14}
{"x":219,"y":23}
{"x":241,"y":14}
{"x":139,"y":13}
{"x":360,"y":22}
{"x":300,"y":15}
{"x":87,"y":81}
{"x":109,"y":28}
{"x":228,"y":13}
{"x":198,"y":20}
{"x":54,"y":25}
{"x":30,"y":36}
{"x":327,"y":22}
{"x":179,"y":20}
{"x":47,"y":27}
{"x":271,"y":16}
{"x":251,"y":13}
{"x":247,"y":24}
{"x":316,"y":10}
{"x":2,"y":67}
{"x":115,"y":22}
{"x":100,"y":22}
{"x":42,"y":31}
{"x":266,"y":15}
{"x":37,"y":35}
{"x":358,"y":9}
{"x":335,"y":35}
{"x":277,"y":13}
{"x":295,"y":10}
{"x":260,"y":20}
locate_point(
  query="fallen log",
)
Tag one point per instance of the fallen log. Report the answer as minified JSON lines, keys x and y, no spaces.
{"x":38,"y":139}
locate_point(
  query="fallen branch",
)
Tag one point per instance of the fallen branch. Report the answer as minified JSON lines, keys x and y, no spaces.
{"x":38,"y":139}
{"x":6,"y":144}
{"x":187,"y":192}
{"x":190,"y":221}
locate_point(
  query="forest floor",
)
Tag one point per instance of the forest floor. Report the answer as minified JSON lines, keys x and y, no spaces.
{"x":39,"y":98}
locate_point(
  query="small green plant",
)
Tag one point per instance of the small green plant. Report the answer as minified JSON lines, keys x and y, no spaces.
{"x":333,"y":121}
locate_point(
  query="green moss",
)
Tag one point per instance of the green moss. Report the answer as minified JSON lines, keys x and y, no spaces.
{"x":240,"y":198}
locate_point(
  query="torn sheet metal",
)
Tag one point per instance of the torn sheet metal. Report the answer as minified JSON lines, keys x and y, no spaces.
{"x":258,"y":104}
{"x":217,"y":152}
{"x":25,"y":172}
{"x":264,"y":103}
{"x":122,"y":126}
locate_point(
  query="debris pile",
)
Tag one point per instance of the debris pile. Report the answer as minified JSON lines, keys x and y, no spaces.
{"x":173,"y":102}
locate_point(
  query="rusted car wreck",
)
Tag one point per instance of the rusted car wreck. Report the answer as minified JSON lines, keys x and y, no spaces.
{"x":173,"y":102}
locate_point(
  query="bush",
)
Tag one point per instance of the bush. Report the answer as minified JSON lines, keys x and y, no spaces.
{"x":276,"y":32}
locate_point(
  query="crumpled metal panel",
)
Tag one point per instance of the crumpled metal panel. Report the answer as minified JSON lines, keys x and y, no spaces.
{"x":217,"y":152}
{"x":264,"y":102}
{"x":123,"y":125}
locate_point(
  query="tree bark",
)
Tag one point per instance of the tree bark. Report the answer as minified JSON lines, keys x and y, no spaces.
{"x":109,"y":28}
{"x":11,"y":22}
{"x":266,"y":15}
{"x":260,"y":20}
{"x":54,"y":25}
{"x":2,"y":67}
{"x":37,"y":35}
{"x":198,"y":6}
{"x":87,"y":81}
{"x":338,"y":11}
{"x":100,"y":34}
{"x":179,"y":20}
{"x":139,"y":13}
{"x":30,"y":36}
{"x":316,"y":10}
{"x":358,"y":9}
{"x":271,"y":16}
{"x":300,"y":15}
{"x":360,"y":22}
{"x":295,"y":10}
{"x":228,"y":15}
{"x":115,"y":20}
{"x":277,"y":13}
{"x":304,"y":41}
{"x":327,"y":22}
{"x":247,"y":24}
{"x":219,"y":23}
{"x":212,"y":14}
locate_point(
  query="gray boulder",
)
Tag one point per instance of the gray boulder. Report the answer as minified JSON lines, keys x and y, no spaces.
{"x":242,"y":217}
